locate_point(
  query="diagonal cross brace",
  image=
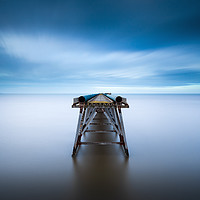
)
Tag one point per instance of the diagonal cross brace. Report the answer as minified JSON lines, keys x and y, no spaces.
{"x":91,"y":117}
{"x":107,"y":114}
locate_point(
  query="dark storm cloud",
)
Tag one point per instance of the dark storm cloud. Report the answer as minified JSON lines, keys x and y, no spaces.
{"x":130,"y":24}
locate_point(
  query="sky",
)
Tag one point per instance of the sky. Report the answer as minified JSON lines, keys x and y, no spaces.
{"x":87,"y":46}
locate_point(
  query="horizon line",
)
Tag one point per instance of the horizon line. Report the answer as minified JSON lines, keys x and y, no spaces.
{"x":170,"y":93}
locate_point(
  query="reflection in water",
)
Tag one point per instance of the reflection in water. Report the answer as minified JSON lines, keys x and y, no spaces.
{"x":100,"y":171}
{"x":100,"y":177}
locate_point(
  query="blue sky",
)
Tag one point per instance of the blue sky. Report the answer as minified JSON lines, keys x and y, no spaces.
{"x":150,"y":46}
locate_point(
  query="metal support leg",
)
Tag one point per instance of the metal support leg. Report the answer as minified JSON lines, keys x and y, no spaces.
{"x":85,"y":115}
{"x":123,"y":132}
{"x":116,"y":117}
{"x":77,"y":138}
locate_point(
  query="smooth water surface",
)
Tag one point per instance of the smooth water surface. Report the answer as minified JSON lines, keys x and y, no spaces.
{"x":36,"y":139}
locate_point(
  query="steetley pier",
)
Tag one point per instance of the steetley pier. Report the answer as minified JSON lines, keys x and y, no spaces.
{"x":97,"y":106}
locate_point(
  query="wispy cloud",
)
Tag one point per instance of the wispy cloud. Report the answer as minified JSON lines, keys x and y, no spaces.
{"x":53,"y":59}
{"x":189,"y":89}
{"x":5,"y":75}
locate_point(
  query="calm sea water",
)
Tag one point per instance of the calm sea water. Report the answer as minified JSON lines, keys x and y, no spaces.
{"x":37,"y":134}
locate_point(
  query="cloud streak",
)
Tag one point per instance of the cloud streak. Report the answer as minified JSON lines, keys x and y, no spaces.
{"x":46,"y":59}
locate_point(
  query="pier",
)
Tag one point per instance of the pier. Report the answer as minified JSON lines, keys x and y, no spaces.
{"x":99,"y":106}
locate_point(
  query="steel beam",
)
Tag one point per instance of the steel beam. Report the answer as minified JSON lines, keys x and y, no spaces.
{"x":123,"y":132}
{"x":111,"y":120}
{"x":77,"y":132}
